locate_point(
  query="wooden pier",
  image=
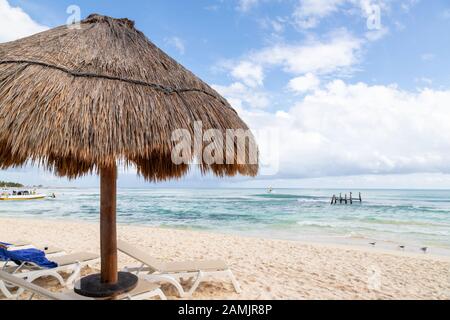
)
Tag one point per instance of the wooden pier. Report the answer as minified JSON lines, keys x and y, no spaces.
{"x":345,"y":200}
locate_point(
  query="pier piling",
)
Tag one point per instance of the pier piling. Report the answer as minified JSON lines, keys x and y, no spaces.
{"x":346,"y":199}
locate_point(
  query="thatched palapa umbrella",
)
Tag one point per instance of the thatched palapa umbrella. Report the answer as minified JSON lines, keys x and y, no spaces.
{"x":80,"y":100}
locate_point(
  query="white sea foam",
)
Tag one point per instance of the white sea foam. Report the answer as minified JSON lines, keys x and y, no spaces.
{"x":401,"y":216}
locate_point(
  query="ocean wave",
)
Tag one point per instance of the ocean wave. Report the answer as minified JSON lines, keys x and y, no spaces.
{"x":312,"y":200}
{"x":375,"y":220}
{"x":283,"y":196}
{"x":381,"y":207}
{"x":355,"y":235}
{"x":315,"y":224}
{"x":291,"y":213}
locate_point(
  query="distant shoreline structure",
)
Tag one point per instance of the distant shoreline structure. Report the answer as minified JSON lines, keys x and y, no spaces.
{"x":7,"y":184}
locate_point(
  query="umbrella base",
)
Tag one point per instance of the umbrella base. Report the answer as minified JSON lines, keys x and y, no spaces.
{"x":92,"y":286}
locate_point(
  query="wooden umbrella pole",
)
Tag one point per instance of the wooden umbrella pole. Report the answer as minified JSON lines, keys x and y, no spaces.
{"x":108,"y":229}
{"x":109,"y":283}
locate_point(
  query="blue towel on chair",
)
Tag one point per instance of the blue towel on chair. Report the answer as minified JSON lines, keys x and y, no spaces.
{"x":2,"y":256}
{"x":28,"y":255}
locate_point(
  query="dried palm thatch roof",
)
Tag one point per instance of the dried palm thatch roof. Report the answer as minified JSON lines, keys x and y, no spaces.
{"x":76,"y":100}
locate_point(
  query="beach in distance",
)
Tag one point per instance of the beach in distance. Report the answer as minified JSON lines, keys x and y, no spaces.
{"x":288,"y":244}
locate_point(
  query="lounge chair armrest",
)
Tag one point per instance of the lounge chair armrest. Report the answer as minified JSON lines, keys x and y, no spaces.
{"x":76,"y":275}
{"x":137,"y":269}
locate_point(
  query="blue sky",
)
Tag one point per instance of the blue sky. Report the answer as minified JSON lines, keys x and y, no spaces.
{"x":343,"y":100}
{"x":216,"y":30}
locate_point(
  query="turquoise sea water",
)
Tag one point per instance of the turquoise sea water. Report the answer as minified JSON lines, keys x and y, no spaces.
{"x":390,"y":217}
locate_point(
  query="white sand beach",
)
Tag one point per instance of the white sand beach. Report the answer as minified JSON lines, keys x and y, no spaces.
{"x":266,"y":269}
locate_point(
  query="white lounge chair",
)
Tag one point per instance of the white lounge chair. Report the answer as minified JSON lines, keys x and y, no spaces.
{"x":19,"y":243}
{"x":145,"y":290}
{"x":23,"y":244}
{"x":173,"y":272}
{"x":50,"y":251}
{"x":72,"y":264}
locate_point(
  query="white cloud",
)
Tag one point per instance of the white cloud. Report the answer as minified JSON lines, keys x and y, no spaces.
{"x":446,"y":14}
{"x":251,"y":74}
{"x":399,"y":26}
{"x":408,"y":4}
{"x":307,"y":61}
{"x":177,"y":43}
{"x":424,"y":80}
{"x":322,"y":57}
{"x":276,"y":25}
{"x":309,"y":12}
{"x":246,"y":5}
{"x":353,"y":129}
{"x":375,"y":35}
{"x":242,"y":96}
{"x":427,"y":56}
{"x":393,"y":181}
{"x":304,"y":84}
{"x":15,"y":23}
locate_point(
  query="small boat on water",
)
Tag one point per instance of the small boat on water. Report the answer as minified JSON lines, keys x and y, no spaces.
{"x":21,"y":196}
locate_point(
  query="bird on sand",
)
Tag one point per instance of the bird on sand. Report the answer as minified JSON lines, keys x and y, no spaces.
{"x":425,"y":249}
{"x":373,"y":244}
{"x":402,"y":247}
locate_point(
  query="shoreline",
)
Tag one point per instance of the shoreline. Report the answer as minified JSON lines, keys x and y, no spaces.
{"x":344,"y":243}
{"x":392,"y":220}
{"x":266,"y":268}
